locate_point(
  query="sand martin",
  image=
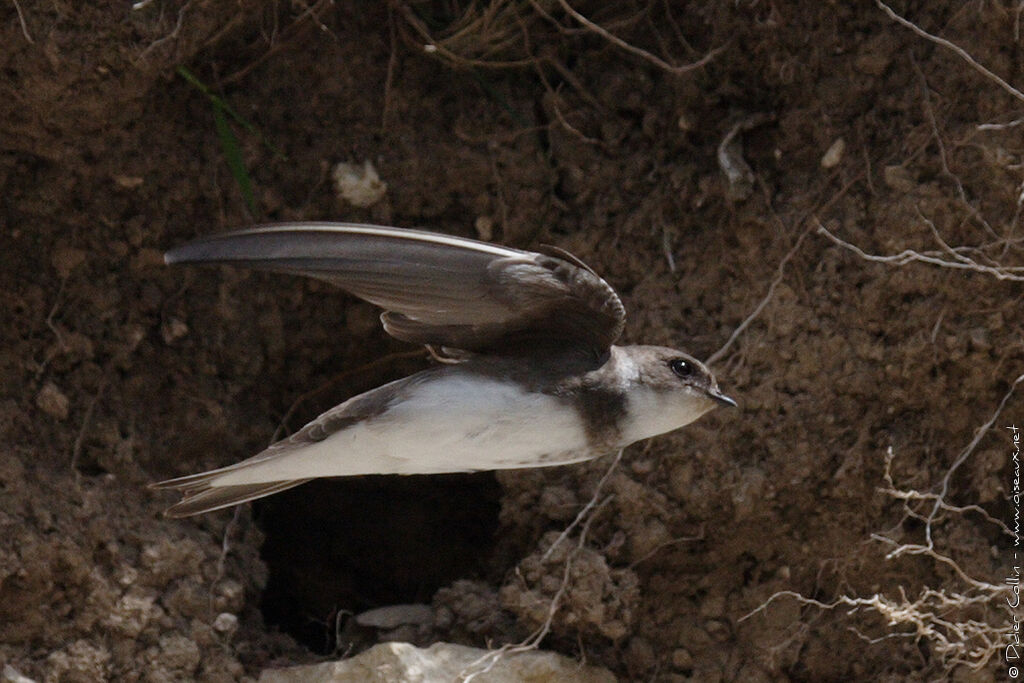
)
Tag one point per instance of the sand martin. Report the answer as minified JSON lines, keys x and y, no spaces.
{"x":536,"y":379}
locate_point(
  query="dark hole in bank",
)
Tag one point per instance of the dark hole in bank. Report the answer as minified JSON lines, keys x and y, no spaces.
{"x":338,"y":547}
{"x":348,"y":545}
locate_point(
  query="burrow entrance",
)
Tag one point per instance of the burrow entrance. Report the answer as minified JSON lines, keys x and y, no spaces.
{"x":342,"y":546}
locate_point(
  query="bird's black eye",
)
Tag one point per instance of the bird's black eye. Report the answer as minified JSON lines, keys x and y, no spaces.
{"x":681,"y":367}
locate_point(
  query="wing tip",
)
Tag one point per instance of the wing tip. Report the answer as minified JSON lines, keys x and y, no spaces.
{"x":204,"y":249}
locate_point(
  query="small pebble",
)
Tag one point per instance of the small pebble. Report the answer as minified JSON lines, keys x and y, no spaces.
{"x":393,"y":616}
{"x":128,"y":182}
{"x":53,"y":401}
{"x":360,"y":186}
{"x":225,"y":623}
{"x":834,"y":154}
{"x":899,"y":178}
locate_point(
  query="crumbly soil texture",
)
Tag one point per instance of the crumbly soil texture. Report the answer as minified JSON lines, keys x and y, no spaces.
{"x":819,"y":196}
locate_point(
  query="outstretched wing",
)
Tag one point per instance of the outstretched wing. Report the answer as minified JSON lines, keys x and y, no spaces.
{"x":436,"y":289}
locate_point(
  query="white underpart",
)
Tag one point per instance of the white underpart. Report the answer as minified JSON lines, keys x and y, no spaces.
{"x":457,"y":424}
{"x":655,"y":412}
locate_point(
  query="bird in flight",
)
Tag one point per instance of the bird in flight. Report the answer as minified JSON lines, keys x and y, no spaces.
{"x":533,"y":377}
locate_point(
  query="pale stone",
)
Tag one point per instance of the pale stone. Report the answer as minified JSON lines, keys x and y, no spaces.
{"x":52,"y":401}
{"x":12,"y":675}
{"x":442,"y":663}
{"x":393,"y":616}
{"x":834,"y":154}
{"x":360,"y":186}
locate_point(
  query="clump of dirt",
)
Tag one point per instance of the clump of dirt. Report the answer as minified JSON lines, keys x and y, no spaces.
{"x":856,"y":283}
{"x":593,"y":598}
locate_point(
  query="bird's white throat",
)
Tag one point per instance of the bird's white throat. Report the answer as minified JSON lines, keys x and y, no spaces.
{"x":650,"y":412}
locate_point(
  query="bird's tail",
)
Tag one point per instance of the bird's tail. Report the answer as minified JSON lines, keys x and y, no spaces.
{"x":201,"y":495}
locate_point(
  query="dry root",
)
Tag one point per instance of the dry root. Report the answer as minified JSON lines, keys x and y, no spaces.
{"x":966,"y":623}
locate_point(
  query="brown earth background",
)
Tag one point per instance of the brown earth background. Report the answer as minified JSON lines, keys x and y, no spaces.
{"x":602,"y":128}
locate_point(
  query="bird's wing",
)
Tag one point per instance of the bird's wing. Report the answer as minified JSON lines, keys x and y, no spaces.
{"x":436,"y":289}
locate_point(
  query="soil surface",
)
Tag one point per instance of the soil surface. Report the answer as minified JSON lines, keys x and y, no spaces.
{"x":700,"y":193}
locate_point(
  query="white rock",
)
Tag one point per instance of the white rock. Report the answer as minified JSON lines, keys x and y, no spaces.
{"x":441,"y":663}
{"x":226,"y":622}
{"x":360,"y":186}
{"x":52,"y":401}
{"x":12,"y":675}
{"x":394,"y":616}
{"x":834,"y":154}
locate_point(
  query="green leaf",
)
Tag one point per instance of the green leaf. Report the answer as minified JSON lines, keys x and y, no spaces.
{"x":218,"y":101}
{"x":233,"y":153}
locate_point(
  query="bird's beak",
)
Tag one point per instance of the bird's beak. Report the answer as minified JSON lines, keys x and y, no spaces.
{"x":721,"y":398}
